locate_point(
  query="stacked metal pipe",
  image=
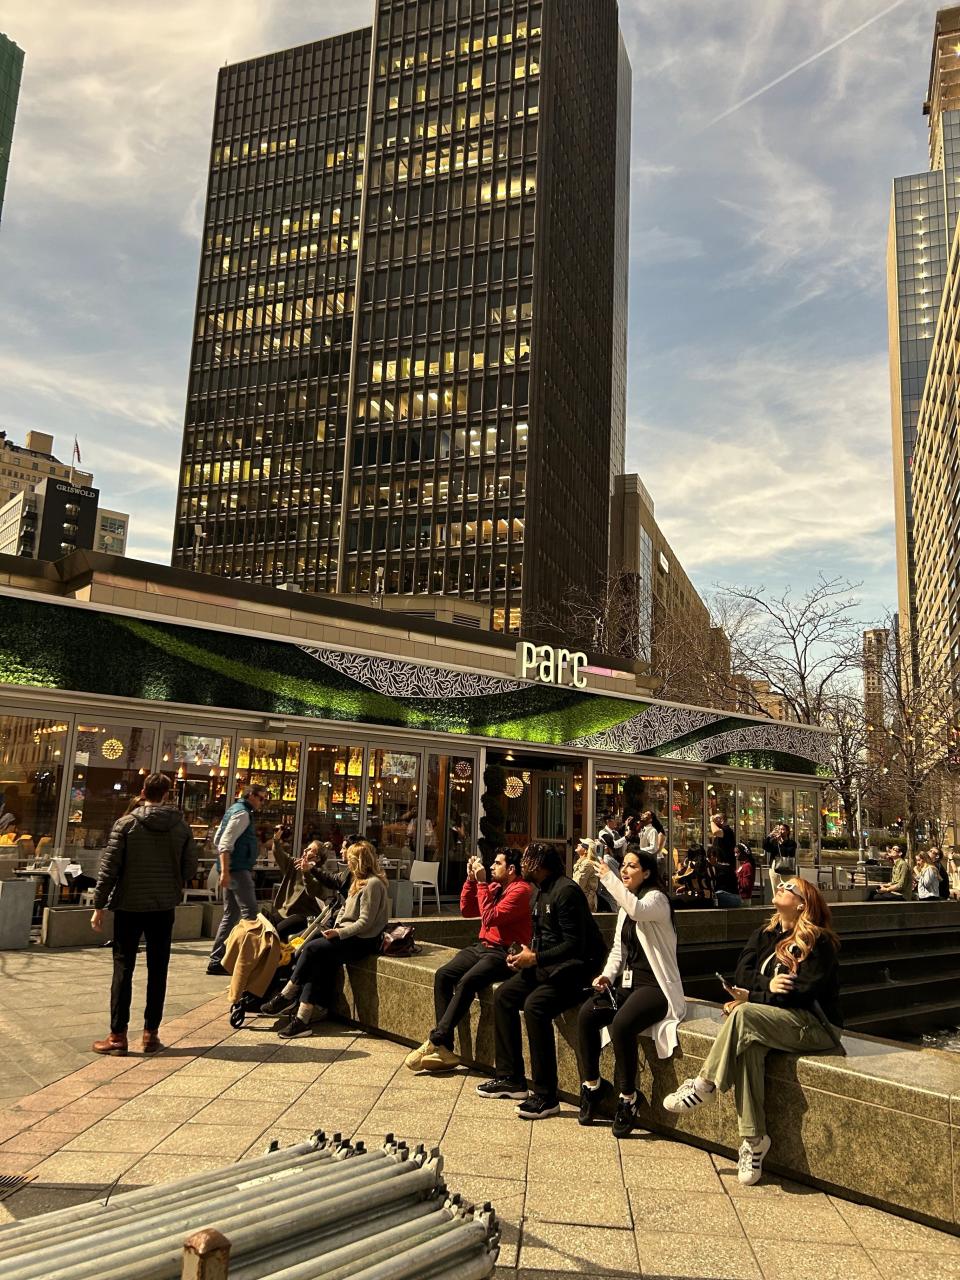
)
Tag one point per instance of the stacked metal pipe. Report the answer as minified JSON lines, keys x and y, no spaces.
{"x":324,"y":1209}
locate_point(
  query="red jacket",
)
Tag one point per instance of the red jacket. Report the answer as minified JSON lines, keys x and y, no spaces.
{"x":746,"y":878}
{"x":504,"y":913}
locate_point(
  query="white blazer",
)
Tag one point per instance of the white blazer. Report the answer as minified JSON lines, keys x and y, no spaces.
{"x":658,"y":938}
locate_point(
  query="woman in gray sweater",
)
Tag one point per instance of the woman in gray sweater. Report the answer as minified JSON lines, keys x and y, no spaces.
{"x":357,"y":932}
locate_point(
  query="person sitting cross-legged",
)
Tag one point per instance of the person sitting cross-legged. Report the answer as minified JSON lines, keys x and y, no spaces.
{"x":358,"y":931}
{"x":785,"y":996}
{"x":503,"y":906}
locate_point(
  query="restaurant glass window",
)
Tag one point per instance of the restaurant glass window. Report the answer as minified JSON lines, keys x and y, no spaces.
{"x":722,"y":798}
{"x":518,"y":807}
{"x":552,"y":796}
{"x":608,"y":794}
{"x":31,"y":773}
{"x":780,"y":807}
{"x":110,"y":762}
{"x":752,"y":816}
{"x":200,"y":764}
{"x":652,"y":793}
{"x":273,"y":763}
{"x":332,"y":782}
{"x":807,"y":823}
{"x":687,"y":818}
{"x":449,"y":816}
{"x":393,"y":784}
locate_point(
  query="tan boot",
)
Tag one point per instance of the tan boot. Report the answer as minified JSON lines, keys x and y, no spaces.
{"x":439,"y":1059}
{"x":115,"y":1043}
{"x":151,"y":1041}
{"x":414,"y":1059}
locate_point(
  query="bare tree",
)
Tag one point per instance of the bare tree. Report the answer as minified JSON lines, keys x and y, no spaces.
{"x":922,"y":729}
{"x":800,"y":645}
{"x":850,"y":767}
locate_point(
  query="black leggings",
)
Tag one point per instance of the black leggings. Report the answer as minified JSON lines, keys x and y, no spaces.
{"x":638,"y":1010}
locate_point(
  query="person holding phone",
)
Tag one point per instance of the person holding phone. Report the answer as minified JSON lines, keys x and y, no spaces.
{"x":785,"y":996}
{"x":503,"y":905}
{"x":639,"y":990}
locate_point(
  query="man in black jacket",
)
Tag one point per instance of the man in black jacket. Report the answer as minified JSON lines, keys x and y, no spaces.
{"x":548,"y":977}
{"x":149,"y":857}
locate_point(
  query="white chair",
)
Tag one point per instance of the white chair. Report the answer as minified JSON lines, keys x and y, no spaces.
{"x":425,"y":875}
{"x":88,"y":898}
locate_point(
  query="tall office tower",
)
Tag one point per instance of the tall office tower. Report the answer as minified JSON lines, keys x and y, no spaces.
{"x":11,"y":68}
{"x":402,"y":377}
{"x":923,"y":217}
{"x":621,"y":271}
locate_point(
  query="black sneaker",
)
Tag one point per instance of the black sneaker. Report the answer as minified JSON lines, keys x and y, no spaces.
{"x":279,"y":1004}
{"x":216,"y":970}
{"x":294,"y":1029}
{"x":625,"y":1120}
{"x":537,"y":1107}
{"x":499,"y":1087}
{"x":590,"y":1100}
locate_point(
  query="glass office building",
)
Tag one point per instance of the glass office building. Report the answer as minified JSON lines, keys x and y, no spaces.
{"x":11,"y":68}
{"x":409,"y":329}
{"x":923,"y":218}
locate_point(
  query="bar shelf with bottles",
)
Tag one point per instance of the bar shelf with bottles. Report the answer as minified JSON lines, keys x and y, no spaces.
{"x":275,"y":764}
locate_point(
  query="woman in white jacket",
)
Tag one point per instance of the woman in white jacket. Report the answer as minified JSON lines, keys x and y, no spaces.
{"x":639,"y":990}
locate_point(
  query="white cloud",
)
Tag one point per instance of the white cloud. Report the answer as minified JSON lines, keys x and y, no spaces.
{"x":780,"y":454}
{"x":656,"y":247}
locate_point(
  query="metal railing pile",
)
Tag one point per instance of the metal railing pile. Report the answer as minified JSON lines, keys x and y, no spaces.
{"x":325,"y":1209}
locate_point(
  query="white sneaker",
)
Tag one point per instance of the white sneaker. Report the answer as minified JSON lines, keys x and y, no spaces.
{"x":414,"y":1059}
{"x":750,"y":1160}
{"x":686,"y":1098}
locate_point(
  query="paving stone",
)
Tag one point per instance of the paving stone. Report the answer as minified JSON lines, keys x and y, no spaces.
{"x":825,"y":1261}
{"x":671,"y":1175}
{"x":714,"y":1214}
{"x":121,"y":1135}
{"x":227,"y":1142}
{"x":777,"y":1217}
{"x":156,"y":1168}
{"x":677,"y":1256}
{"x":878,"y":1230}
{"x":585,"y":1203}
{"x":598,"y":1252}
{"x":93,"y":1168}
{"x":894,"y":1264}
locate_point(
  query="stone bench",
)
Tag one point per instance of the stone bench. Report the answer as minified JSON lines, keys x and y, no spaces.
{"x":881,"y":1125}
{"x":70,"y":926}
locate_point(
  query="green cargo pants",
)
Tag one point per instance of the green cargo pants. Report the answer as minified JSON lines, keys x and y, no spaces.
{"x":738,"y":1057}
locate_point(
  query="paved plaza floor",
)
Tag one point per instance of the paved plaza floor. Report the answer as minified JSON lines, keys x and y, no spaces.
{"x":572,"y":1200}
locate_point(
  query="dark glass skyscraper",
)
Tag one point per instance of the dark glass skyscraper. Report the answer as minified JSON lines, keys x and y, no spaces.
{"x":11,"y":68}
{"x":408,"y":320}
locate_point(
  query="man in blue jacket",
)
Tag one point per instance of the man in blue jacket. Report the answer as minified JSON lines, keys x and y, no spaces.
{"x":236,"y":847}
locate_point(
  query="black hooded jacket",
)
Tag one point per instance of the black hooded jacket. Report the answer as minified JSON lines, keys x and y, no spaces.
{"x":149,"y":857}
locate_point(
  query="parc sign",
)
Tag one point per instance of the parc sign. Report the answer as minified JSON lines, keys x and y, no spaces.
{"x":550,"y":665}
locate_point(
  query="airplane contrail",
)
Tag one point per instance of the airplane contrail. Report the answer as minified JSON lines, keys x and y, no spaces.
{"x":800,"y":66}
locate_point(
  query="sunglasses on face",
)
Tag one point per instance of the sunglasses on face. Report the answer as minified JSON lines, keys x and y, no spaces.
{"x":789,"y":887}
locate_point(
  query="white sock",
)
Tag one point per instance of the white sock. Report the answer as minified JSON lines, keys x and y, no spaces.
{"x":591,"y":1087}
{"x":304,"y":1012}
{"x":704,"y":1086}
{"x":629,"y":1097}
{"x":290,"y":990}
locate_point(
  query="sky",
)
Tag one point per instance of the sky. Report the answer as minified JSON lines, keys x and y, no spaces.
{"x":766,"y":134}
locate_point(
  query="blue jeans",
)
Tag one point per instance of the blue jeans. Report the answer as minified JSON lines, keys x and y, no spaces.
{"x":725,"y":899}
{"x":239,"y":903}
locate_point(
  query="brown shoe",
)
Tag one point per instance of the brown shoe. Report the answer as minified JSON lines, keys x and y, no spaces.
{"x":115,"y":1043}
{"x":151,"y":1042}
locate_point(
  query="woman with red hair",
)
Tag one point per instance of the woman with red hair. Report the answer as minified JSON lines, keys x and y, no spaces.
{"x":785,"y":996}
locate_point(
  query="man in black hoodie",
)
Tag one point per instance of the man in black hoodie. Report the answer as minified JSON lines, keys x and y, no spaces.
{"x":549,"y":976}
{"x":149,"y":857}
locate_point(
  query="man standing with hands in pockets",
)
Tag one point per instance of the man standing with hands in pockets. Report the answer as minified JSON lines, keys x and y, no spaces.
{"x":149,"y":857}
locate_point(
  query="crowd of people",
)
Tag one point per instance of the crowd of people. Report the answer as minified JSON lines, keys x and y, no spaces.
{"x":539,"y":942}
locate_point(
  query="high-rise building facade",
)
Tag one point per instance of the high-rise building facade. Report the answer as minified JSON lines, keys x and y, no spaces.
{"x":11,"y":69}
{"x":409,"y":319}
{"x":923,"y":217}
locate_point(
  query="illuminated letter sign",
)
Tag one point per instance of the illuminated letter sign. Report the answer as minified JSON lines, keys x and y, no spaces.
{"x":544,"y":663}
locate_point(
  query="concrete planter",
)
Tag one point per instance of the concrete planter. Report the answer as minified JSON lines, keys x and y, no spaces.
{"x":70,"y":926}
{"x":16,"y":913}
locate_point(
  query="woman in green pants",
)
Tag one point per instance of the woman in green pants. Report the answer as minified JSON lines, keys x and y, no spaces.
{"x":785,"y":996}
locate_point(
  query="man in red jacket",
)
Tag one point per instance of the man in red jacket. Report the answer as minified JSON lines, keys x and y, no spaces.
{"x":504,"y":910}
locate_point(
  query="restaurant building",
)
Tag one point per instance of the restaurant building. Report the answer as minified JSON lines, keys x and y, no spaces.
{"x":357,"y":718}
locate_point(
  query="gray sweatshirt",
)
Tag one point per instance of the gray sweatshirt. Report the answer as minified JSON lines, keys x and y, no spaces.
{"x":366,"y":913}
